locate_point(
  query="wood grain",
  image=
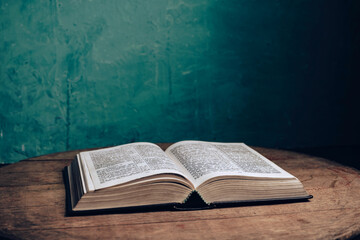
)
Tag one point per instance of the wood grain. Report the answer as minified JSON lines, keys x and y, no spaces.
{"x":32,"y":206}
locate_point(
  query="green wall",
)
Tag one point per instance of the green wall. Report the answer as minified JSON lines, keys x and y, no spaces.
{"x":81,"y":74}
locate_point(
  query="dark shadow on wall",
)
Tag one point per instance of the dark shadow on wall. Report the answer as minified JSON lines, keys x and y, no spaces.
{"x":345,"y":155}
{"x":294,"y":66}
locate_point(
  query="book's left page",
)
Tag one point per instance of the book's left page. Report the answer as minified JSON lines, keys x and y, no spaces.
{"x":117,"y":165}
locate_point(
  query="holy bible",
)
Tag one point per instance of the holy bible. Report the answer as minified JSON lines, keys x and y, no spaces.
{"x":142,"y":174}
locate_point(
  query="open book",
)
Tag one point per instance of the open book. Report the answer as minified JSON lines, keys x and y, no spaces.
{"x":142,"y":174}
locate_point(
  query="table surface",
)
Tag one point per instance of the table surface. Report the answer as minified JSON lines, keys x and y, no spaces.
{"x":32,"y":206}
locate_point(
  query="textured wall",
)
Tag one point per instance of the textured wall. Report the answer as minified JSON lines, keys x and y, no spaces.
{"x":79,"y":74}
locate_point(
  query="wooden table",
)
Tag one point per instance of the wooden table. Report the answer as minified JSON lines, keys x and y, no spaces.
{"x":32,"y":206}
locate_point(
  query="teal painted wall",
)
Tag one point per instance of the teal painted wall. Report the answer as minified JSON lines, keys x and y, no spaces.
{"x":81,"y":74}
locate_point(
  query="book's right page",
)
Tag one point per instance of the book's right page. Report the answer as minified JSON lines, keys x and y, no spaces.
{"x":206,"y":160}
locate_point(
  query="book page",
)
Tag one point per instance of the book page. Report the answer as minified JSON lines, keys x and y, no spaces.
{"x":85,"y":175}
{"x":116,"y":165}
{"x":205,"y":160}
